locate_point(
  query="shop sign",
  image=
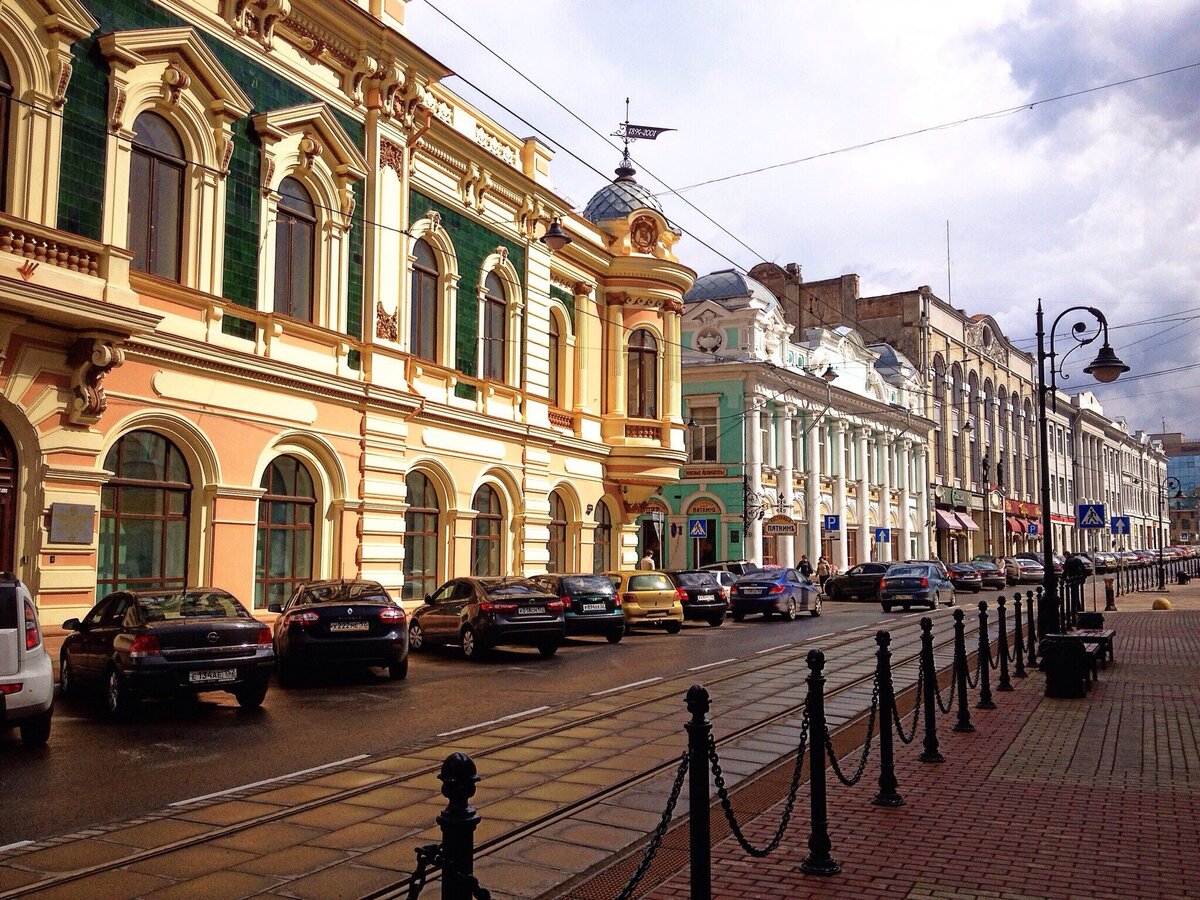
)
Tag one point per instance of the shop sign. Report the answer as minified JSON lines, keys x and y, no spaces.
{"x":959,"y":497}
{"x":779,"y":525}
{"x":703,"y":506}
{"x":705,"y":472}
{"x":1023,"y":509}
{"x":71,"y":523}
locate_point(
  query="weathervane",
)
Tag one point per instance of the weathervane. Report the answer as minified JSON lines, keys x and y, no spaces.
{"x":628,"y":133}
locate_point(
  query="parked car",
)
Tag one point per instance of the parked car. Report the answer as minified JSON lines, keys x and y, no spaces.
{"x":590,"y":604}
{"x":987,"y":558}
{"x":990,"y":574}
{"x":340,"y":622}
{"x":648,"y":598}
{"x":167,"y":643}
{"x":1019,"y":570}
{"x":701,"y":595}
{"x":1059,"y":560}
{"x":738,"y":567}
{"x":26,"y":673}
{"x":724,"y":577}
{"x":911,"y":584}
{"x":859,"y":582}
{"x":965,"y":577}
{"x":1106,"y":562}
{"x":774,"y":590}
{"x":481,"y":613}
{"x":1083,"y":562}
{"x":941,"y":566}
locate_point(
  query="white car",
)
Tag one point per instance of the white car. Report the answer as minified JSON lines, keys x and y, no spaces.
{"x":26,"y":673}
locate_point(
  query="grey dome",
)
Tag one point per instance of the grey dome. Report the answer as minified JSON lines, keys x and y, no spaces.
{"x":731,"y":289}
{"x":621,"y":197}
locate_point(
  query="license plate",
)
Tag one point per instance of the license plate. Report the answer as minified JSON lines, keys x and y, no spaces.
{"x":349,"y":626}
{"x":705,"y":598}
{"x":593,"y":607}
{"x":531,"y":610}
{"x":752,"y":592}
{"x":652,"y":613}
{"x":905,"y":597}
{"x":212,"y":675}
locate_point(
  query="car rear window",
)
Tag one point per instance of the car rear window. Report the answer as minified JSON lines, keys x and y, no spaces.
{"x":587,"y":584}
{"x":8,"y":606}
{"x":345,"y":591}
{"x":513,"y":589}
{"x":192,"y":605}
{"x":653,"y":582}
{"x":907,"y":570}
{"x":695,"y":579}
{"x":985,"y":567}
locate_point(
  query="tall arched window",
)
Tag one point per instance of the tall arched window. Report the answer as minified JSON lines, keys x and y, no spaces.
{"x":295,"y":245}
{"x":493,"y":333}
{"x":642,"y":376}
{"x":552,"y":362}
{"x":284,"y":558}
{"x":423,"y":318}
{"x":421,"y":538}
{"x":6,"y":92}
{"x":602,"y":546}
{"x":557,"y":544}
{"x":144,"y":511}
{"x":485,"y":532}
{"x":156,"y":170}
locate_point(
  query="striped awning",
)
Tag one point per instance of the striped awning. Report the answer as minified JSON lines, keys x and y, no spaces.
{"x":1016,"y":525}
{"x":968,"y":524}
{"x":946,"y":521}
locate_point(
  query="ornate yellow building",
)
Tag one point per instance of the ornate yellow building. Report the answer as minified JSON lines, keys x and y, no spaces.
{"x":274,"y":305}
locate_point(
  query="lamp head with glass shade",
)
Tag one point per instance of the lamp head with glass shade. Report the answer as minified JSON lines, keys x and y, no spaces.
{"x":829,"y":375}
{"x":1107,"y":366}
{"x":555,"y":238}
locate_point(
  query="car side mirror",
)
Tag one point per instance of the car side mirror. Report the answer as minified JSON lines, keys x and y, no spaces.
{"x":72,"y":625}
{"x":428,"y":599}
{"x":275,"y":607}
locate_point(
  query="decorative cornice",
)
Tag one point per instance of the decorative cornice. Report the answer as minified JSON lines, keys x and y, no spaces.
{"x":391,"y":156}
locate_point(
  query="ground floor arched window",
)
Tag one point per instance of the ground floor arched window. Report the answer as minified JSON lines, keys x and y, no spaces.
{"x":557,"y":545}
{"x":602,"y":543}
{"x":284,"y":558}
{"x":421,"y":538}
{"x":485,"y":532}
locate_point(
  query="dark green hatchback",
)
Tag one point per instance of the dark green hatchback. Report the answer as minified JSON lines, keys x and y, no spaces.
{"x":591,"y":604}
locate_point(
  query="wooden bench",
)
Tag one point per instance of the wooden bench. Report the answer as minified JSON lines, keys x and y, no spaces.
{"x":1103,"y":637}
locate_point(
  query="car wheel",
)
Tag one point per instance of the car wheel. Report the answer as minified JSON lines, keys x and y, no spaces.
{"x":548,"y":648}
{"x":35,"y":732}
{"x":416,"y":637}
{"x":398,"y":671}
{"x":815,"y":609}
{"x":905,"y":607}
{"x":614,"y":636}
{"x":739,"y":616}
{"x":674,"y":627}
{"x":790,"y":612}
{"x":887,"y":607}
{"x":116,"y":696}
{"x":716,"y":621}
{"x":933,"y":602}
{"x":66,"y":678}
{"x":470,"y":644}
{"x":251,"y":696}
{"x":953,"y":598}
{"x":834,"y":594}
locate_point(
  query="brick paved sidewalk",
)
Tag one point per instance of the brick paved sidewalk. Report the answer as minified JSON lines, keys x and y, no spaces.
{"x":1048,"y":798}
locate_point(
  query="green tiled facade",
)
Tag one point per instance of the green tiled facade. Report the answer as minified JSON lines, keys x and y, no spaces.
{"x":566,"y":298}
{"x":473,"y":243}
{"x":85,"y":130}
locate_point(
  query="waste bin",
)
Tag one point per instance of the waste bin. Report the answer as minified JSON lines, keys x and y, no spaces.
{"x":1182,"y":577}
{"x":1066,"y":666}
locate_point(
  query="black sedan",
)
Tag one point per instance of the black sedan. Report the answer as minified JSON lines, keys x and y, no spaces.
{"x":481,"y":613}
{"x":701,"y":595}
{"x":990,"y":574}
{"x":590,"y":604}
{"x":909,"y":584}
{"x":965,"y":577}
{"x":335,"y":622}
{"x":163,"y":643}
{"x":859,"y":582}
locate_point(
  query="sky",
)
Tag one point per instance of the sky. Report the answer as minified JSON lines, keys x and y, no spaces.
{"x":1087,"y":200}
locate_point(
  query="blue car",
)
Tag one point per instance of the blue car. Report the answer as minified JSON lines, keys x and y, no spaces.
{"x":774,"y":590}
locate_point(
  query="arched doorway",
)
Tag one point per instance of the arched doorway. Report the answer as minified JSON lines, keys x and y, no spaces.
{"x":8,"y":501}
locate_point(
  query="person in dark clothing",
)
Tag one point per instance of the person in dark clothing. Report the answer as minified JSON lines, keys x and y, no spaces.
{"x":804,"y":567}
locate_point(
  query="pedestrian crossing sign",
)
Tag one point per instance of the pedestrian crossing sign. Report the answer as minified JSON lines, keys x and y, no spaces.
{"x":1091,"y":515}
{"x":698,"y":528}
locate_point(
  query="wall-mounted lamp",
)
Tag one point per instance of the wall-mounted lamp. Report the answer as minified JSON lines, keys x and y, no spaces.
{"x":555,"y":238}
{"x":590,"y":507}
{"x":691,"y":422}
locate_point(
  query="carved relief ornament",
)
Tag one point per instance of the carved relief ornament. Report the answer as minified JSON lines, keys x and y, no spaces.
{"x":91,"y":359}
{"x":386,"y":326}
{"x":643,"y":234}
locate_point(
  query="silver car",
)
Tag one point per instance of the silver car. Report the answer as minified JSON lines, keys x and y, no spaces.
{"x":1019,"y":570}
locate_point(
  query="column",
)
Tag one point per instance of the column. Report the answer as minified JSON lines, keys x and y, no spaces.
{"x":885,"y":497}
{"x":783,"y":433}
{"x":813,"y":488}
{"x":839,"y":490}
{"x":905,"y":476}
{"x":922,"y":462}
{"x":753,"y":476}
{"x":863,"y":449}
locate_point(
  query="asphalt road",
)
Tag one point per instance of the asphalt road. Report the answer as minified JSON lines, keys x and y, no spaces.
{"x":95,"y":771}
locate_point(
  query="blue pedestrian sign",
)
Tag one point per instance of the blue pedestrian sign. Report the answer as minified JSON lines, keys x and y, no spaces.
{"x":883,"y":535}
{"x":1090,"y":515}
{"x":1033,"y":528}
{"x":1120,"y":525}
{"x":698,"y":528}
{"x":833,"y":523}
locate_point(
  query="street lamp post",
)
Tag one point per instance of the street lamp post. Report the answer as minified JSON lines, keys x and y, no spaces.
{"x":1168,"y":483}
{"x":1105,"y":368}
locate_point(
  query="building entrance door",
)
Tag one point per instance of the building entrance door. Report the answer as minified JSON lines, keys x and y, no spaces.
{"x":8,"y":501}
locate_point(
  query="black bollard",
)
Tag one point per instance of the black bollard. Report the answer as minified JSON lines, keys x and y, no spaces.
{"x":819,"y":861}
{"x":985,"y":661}
{"x":887,"y":795}
{"x":698,"y":730}
{"x":960,"y":673}
{"x":1031,"y":621}
{"x":1002,"y":645}
{"x":458,"y":821}
{"x":1018,"y":638}
{"x":929,"y":686}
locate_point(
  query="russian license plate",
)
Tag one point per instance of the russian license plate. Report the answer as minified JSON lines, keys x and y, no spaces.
{"x":653,"y":613}
{"x":593,"y":607}
{"x":705,"y":598}
{"x":212,"y":675}
{"x":530,"y":610}
{"x":752,"y":592}
{"x":357,"y":625}
{"x":905,"y":597}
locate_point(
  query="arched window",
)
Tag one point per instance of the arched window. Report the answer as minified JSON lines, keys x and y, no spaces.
{"x":295,"y":245}
{"x":285,"y":531}
{"x":602,"y":547}
{"x":557,"y":544}
{"x":144,"y":511}
{"x":553,"y":363}
{"x":6,"y":92}
{"x":485,"y":532}
{"x":642,"y":376}
{"x":939,"y":377}
{"x":421,"y":538}
{"x":156,"y":170}
{"x":423,"y":318}
{"x":493,"y":331}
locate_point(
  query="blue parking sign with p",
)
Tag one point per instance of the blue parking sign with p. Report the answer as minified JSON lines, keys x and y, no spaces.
{"x":1033,"y":528}
{"x":698,"y":528}
{"x":833,"y":523}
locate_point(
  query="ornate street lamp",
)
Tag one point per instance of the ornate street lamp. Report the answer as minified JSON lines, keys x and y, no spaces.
{"x":1105,"y":368}
{"x":1170,"y":483}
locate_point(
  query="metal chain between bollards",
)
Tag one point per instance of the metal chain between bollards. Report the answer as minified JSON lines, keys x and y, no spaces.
{"x":430,"y":859}
{"x":937,"y":693}
{"x":659,"y":832}
{"x":971,"y":684}
{"x":916,"y":714}
{"x":793,"y":790}
{"x":862,"y":763}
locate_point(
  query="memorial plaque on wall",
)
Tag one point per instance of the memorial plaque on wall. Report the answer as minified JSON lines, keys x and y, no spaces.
{"x":72,"y":523}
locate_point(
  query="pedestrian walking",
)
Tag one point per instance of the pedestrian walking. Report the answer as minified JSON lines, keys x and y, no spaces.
{"x":647,"y":561}
{"x":823,"y":571}
{"x":804,"y":566}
